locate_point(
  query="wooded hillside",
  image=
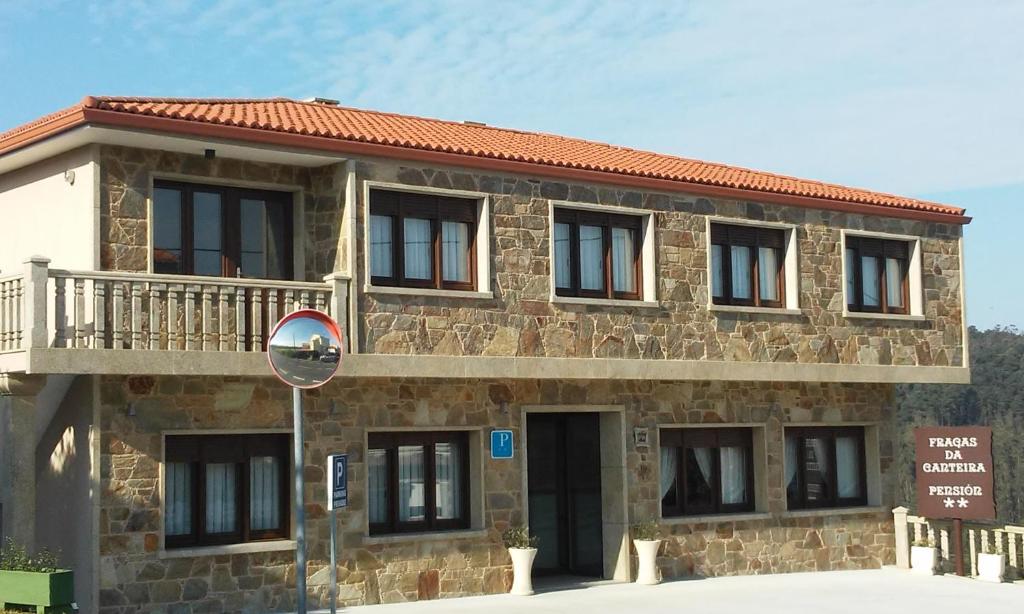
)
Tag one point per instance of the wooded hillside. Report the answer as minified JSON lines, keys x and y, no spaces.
{"x":995,"y":398}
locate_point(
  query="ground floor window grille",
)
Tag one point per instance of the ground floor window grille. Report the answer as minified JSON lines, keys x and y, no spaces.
{"x":417,"y":481}
{"x":706,"y":471}
{"x":224,"y":489}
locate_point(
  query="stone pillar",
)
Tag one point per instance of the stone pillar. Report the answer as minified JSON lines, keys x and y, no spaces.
{"x":899,"y":517}
{"x":19,"y":456}
{"x":36,"y":334}
{"x":339,"y":306}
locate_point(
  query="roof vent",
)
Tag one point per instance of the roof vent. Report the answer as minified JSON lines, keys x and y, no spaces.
{"x":473,"y":123}
{"x":328,"y":101}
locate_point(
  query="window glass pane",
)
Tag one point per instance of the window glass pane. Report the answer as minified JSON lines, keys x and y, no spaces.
{"x":893,"y":282}
{"x":817,"y":470}
{"x":733,"y":462}
{"x":455,"y":250}
{"x":253,"y":231}
{"x":768,"y":273}
{"x":869,"y":278}
{"x":206,"y":233}
{"x":591,"y":258}
{"x":668,"y":471}
{"x":411,"y":500}
{"x":381,"y":249}
{"x":378,"y":485}
{"x":741,"y":272}
{"x":279,"y":245}
{"x":166,"y":231}
{"x":699,"y":492}
{"x":221,"y":489}
{"x":851,"y":277}
{"x":623,"y":260}
{"x":264,"y":493}
{"x":178,"y":498}
{"x":717,"y":272}
{"x":848,"y":469}
{"x":419,"y":249}
{"x":448,"y":468}
{"x":792,"y":470}
{"x":563,"y":266}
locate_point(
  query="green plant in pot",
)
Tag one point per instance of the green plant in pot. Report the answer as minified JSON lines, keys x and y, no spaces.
{"x":34,"y":580}
{"x":647,"y":541}
{"x":522,"y":547}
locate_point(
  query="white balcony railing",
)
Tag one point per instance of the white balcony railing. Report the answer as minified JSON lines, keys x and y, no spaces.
{"x":979,"y":537}
{"x":140,"y":311}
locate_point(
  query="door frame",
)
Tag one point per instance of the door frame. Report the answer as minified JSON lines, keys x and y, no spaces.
{"x":614,"y":493}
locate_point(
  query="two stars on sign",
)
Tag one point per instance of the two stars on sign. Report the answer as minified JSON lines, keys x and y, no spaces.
{"x":949,"y":502}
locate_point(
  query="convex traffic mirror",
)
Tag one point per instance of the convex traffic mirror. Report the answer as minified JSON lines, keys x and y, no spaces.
{"x":305,"y":348}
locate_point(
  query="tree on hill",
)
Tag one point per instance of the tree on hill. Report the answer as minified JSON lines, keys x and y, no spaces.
{"x":994,"y":398}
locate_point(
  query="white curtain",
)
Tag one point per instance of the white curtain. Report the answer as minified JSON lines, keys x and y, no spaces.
{"x":220,"y":498}
{"x":562,"y":265}
{"x":448,"y":466}
{"x":380,"y":246}
{"x":821,"y":461}
{"x":411,"y":501}
{"x":717,"y":271}
{"x":418,"y":249}
{"x":378,"y":485}
{"x":870,"y":281}
{"x":591,"y":258}
{"x":703,"y":456}
{"x":741,"y":272}
{"x":847,"y":468}
{"x":768,"y":272}
{"x":734,"y":474}
{"x":178,"y":499}
{"x":792,"y":459}
{"x":669,"y":458}
{"x":455,"y":251}
{"x":623,"y":263}
{"x":264,"y":493}
{"x":893,"y":282}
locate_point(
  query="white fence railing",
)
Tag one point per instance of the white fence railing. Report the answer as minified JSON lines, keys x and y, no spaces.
{"x":140,"y":311}
{"x":978,"y":537}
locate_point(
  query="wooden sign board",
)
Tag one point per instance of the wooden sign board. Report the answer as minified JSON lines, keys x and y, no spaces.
{"x":954,"y":472}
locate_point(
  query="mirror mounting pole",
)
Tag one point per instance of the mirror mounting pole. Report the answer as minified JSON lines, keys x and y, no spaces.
{"x":300,"y":497}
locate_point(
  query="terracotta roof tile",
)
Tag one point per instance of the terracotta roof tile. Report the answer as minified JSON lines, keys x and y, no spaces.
{"x":471,"y":139}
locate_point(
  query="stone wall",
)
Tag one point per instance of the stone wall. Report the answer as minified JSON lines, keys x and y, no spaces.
{"x":134,"y":577}
{"x":521,"y":320}
{"x":125,"y":184}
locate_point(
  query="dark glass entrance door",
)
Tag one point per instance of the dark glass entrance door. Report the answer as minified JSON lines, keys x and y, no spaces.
{"x":564,"y":479}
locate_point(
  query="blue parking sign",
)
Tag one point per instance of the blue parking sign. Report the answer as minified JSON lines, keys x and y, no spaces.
{"x":501,"y":444}
{"x":337,"y":481}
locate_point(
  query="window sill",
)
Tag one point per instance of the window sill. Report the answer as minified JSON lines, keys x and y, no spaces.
{"x":399,"y":538}
{"x":716,"y":518}
{"x":277,"y":545}
{"x":867,"y":315}
{"x":836,"y":511}
{"x":775,"y":311}
{"x":467,"y":294}
{"x":604,"y":302}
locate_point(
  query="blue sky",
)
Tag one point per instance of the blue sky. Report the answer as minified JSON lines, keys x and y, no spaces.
{"x":917,"y":98}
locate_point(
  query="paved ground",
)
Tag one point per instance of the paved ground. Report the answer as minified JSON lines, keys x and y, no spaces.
{"x":838,"y":592}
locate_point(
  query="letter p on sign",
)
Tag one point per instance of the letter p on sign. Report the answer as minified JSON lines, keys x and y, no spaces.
{"x":501,"y":444}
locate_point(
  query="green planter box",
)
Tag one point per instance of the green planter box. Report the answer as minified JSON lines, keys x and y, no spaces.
{"x":38,"y":589}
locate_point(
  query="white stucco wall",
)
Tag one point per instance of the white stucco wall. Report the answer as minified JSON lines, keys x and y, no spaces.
{"x":42,"y":212}
{"x":64,"y":509}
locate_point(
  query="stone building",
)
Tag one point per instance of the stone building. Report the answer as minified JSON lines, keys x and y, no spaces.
{"x":707,"y":347}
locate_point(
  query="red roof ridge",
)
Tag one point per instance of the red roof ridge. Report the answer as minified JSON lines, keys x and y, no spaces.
{"x":463,"y":138}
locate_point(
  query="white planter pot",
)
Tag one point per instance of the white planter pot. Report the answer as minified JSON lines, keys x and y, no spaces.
{"x":647,"y":554}
{"x":924,"y":559}
{"x":991,"y":567}
{"x":522,"y":570}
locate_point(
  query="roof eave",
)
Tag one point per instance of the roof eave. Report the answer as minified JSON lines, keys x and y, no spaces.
{"x":204,"y":129}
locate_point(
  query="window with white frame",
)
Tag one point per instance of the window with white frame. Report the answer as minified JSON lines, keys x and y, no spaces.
{"x":877,"y":272}
{"x":747,"y":265}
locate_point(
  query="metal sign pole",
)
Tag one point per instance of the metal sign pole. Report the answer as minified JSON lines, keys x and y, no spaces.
{"x":334,"y":561}
{"x":300,"y":513}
